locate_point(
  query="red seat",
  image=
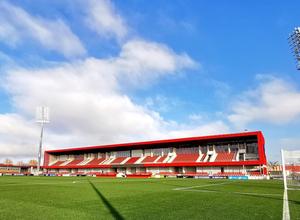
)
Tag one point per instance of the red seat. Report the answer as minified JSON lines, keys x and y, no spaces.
{"x":229,"y":174}
{"x":118,"y":160}
{"x":95,"y":161}
{"x":196,"y":173}
{"x":225,"y":156}
{"x":132,"y":160}
{"x":58,"y":163}
{"x":75,"y":162}
{"x":255,"y":173}
{"x":149,"y":159}
{"x":108,"y":174}
{"x":160,"y":160}
{"x":185,"y":158}
{"x":139,"y":175}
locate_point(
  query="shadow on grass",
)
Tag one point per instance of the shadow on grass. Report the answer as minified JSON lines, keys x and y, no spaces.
{"x":112,"y":210}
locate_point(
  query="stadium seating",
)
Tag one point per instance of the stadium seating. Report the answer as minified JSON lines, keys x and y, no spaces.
{"x":58,"y":163}
{"x":225,"y":156}
{"x":229,"y":174}
{"x":195,"y":174}
{"x":161,"y":159}
{"x":254,"y":173}
{"x":108,"y":174}
{"x":149,"y":159}
{"x":75,"y":162}
{"x":95,"y":161}
{"x":168,"y":173}
{"x":93,"y":173}
{"x":185,"y":158}
{"x":132,"y":160}
{"x":118,"y":160}
{"x":139,"y":175}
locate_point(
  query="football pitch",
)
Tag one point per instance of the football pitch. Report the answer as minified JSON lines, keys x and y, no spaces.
{"x":101,"y":198}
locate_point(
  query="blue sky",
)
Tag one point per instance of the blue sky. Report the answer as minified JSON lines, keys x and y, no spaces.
{"x":118,"y":71}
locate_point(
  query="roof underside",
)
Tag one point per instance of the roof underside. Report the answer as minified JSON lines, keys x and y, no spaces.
{"x":158,"y":143}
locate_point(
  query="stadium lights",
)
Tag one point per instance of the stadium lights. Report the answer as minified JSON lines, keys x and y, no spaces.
{"x":294,"y":41}
{"x":42,"y":117}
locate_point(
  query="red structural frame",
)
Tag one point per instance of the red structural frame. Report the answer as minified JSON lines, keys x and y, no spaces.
{"x":148,"y":144}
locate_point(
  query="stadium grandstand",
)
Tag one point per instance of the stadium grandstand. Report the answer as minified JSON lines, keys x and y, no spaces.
{"x":14,"y":169}
{"x":218,"y":156}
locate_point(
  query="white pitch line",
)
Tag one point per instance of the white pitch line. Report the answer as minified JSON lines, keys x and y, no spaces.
{"x":285,"y":208}
{"x":240,"y":193}
{"x":192,"y":187}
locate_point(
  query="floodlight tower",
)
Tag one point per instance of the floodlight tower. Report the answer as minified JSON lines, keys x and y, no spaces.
{"x":42,"y":117}
{"x":294,"y":41}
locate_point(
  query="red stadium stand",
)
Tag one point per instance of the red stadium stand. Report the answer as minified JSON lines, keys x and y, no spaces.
{"x":254,"y":173}
{"x":180,"y":155}
{"x":229,"y":174}
{"x":139,"y":175}
{"x":185,"y":158}
{"x":224,"y":156}
{"x":58,"y":163}
{"x":149,"y":159}
{"x":74,"y":162}
{"x":95,"y":161}
{"x":196,"y":174}
{"x":161,"y":160}
{"x":108,"y":174}
{"x":118,"y":160}
{"x":132,"y":160}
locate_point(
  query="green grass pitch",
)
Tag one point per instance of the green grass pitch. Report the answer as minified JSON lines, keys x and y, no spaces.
{"x":97,"y":198}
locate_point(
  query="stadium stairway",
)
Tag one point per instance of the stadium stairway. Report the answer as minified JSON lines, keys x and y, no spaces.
{"x":201,"y":158}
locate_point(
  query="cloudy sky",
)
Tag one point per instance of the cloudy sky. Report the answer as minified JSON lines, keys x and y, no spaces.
{"x":121,"y":71}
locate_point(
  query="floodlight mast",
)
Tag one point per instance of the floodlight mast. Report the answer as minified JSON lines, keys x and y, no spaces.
{"x":42,"y":119}
{"x":294,"y":41}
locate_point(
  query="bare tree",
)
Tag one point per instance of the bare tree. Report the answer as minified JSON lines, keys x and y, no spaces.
{"x":20,"y":163}
{"x":8,"y":161}
{"x":32,"y":162}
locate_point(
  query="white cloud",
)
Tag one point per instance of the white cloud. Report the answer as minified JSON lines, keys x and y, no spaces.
{"x":142,"y":61}
{"x":162,"y":103}
{"x":210,"y":128}
{"x":290,"y":143}
{"x":17,"y":26}
{"x":274,"y":101}
{"x":105,"y":20}
{"x":85,"y":99}
{"x":17,"y":135}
